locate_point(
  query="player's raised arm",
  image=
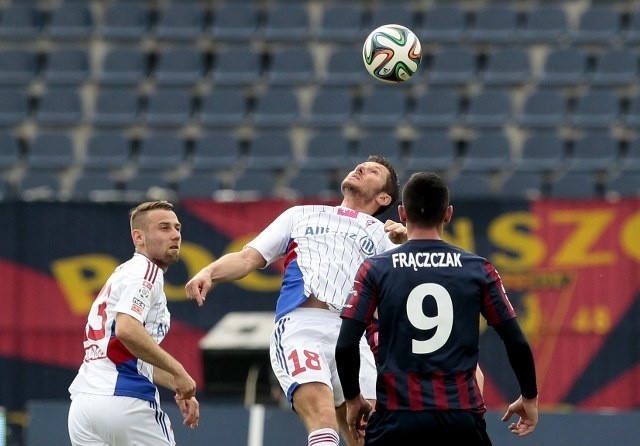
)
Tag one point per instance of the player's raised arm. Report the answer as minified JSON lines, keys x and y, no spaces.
{"x":232,"y":266}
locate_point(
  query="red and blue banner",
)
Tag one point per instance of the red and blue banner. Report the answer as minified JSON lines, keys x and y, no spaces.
{"x":571,"y":268}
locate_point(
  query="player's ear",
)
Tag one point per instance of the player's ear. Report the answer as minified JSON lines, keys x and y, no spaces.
{"x":383,"y":199}
{"x":402,"y":213}
{"x":138,"y":237}
{"x":448,"y":214}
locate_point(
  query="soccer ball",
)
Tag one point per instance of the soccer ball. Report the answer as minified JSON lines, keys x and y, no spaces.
{"x":392,"y":53}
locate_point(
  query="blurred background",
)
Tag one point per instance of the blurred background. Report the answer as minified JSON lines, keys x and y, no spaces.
{"x":236,"y":110}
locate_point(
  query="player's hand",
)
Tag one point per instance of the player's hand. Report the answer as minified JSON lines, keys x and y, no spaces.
{"x":198,"y":287}
{"x":358,"y":411}
{"x":190,"y":410}
{"x":527,"y":409}
{"x":185,"y":386}
{"x":397,"y":231}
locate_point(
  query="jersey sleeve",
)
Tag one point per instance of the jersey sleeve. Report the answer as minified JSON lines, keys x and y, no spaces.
{"x":272,"y":242}
{"x":362,"y":301}
{"x":496,"y":307}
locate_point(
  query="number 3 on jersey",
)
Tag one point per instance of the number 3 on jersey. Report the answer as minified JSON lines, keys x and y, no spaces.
{"x":95,"y":329}
{"x":442,"y":322}
{"x":311,"y":361}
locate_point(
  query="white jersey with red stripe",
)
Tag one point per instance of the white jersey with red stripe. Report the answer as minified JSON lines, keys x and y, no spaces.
{"x":323,"y":248}
{"x":135,"y":288}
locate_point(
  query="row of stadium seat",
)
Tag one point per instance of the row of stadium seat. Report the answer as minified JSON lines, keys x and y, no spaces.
{"x":292,"y":21}
{"x":299,"y":65}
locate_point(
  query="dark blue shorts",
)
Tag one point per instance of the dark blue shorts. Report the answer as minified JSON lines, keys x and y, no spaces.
{"x":431,"y":428}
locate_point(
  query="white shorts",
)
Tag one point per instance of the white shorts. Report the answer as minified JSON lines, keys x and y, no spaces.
{"x":303,"y":345}
{"x":103,"y":420}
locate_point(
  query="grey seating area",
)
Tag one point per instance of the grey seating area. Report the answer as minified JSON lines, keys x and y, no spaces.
{"x":518,"y":96}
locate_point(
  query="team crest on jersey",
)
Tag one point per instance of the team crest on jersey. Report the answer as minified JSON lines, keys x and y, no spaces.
{"x":369,"y":222}
{"x":366,"y":245}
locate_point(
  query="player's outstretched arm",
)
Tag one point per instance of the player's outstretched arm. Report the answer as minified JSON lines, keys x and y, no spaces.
{"x":527,"y":410}
{"x":232,"y":266}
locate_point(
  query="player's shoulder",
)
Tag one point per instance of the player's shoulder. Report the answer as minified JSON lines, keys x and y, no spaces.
{"x":141,"y":267}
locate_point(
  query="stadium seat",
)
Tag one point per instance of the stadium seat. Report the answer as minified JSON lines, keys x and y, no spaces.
{"x":378,"y":142}
{"x":95,"y":186}
{"x":233,"y":22}
{"x":275,"y":107}
{"x":507,"y":66}
{"x":237,"y":66}
{"x":544,"y":108}
{"x":596,"y":108}
{"x":20,"y":22}
{"x":59,"y":106}
{"x":494,"y":24}
{"x":291,"y":66}
{"x":66,"y":65}
{"x":341,"y":22}
{"x":179,"y":66}
{"x":383,"y":107}
{"x":168,"y":108}
{"x":487,"y":152}
{"x":215,"y":151}
{"x":106,"y":151}
{"x":470,"y":186}
{"x":198,"y":186}
{"x":455,"y":66}
{"x":527,"y":185}
{"x":573,"y":185}
{"x":432,"y":150}
{"x":344,"y":67}
{"x":6,"y":192}
{"x":70,"y":21}
{"x":631,"y":158}
{"x":180,"y":22}
{"x":271,"y":151}
{"x":436,"y":107}
{"x":542,"y":151}
{"x":383,"y":14}
{"x":595,"y":151}
{"x":50,"y":151}
{"x":124,"y":22}
{"x":9,"y":150}
{"x":223,"y":107}
{"x":616,"y":67}
{"x":286,"y":23}
{"x":443,"y":23}
{"x":149,"y":185}
{"x":255,"y":184}
{"x":545,"y":23}
{"x":326,"y":150}
{"x":598,"y":24}
{"x":564,"y":67}
{"x":631,"y":34}
{"x":116,"y":107}
{"x":160,"y":152}
{"x":626,"y":184}
{"x":489,"y":109}
{"x":312,"y":184}
{"x":14,"y":106}
{"x":38,"y":186}
{"x":631,"y":116}
{"x":123,"y":66}
{"x":18,"y":66}
{"x":332,"y":106}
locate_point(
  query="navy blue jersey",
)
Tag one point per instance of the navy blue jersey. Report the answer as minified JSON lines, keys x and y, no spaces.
{"x":429,"y":296}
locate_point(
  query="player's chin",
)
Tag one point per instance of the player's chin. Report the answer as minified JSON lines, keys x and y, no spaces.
{"x":172,"y":256}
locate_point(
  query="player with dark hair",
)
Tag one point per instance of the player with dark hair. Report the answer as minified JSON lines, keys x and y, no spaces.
{"x":429,"y":296}
{"x":323,"y":247}
{"x":114,"y":398}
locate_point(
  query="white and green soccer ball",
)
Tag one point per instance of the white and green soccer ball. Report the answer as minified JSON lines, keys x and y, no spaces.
{"x":392,"y":53}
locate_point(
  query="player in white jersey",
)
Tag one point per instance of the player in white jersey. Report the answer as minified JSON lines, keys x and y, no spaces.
{"x":114,"y":398}
{"x":323,"y":247}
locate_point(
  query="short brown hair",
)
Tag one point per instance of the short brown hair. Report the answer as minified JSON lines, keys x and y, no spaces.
{"x":392,"y":187}
{"x":140,"y":210}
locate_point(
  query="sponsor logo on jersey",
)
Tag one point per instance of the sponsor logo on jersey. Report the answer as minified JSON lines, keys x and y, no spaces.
{"x":367,"y":246}
{"x":147,"y":284}
{"x":93,"y":352}
{"x":138,"y":306}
